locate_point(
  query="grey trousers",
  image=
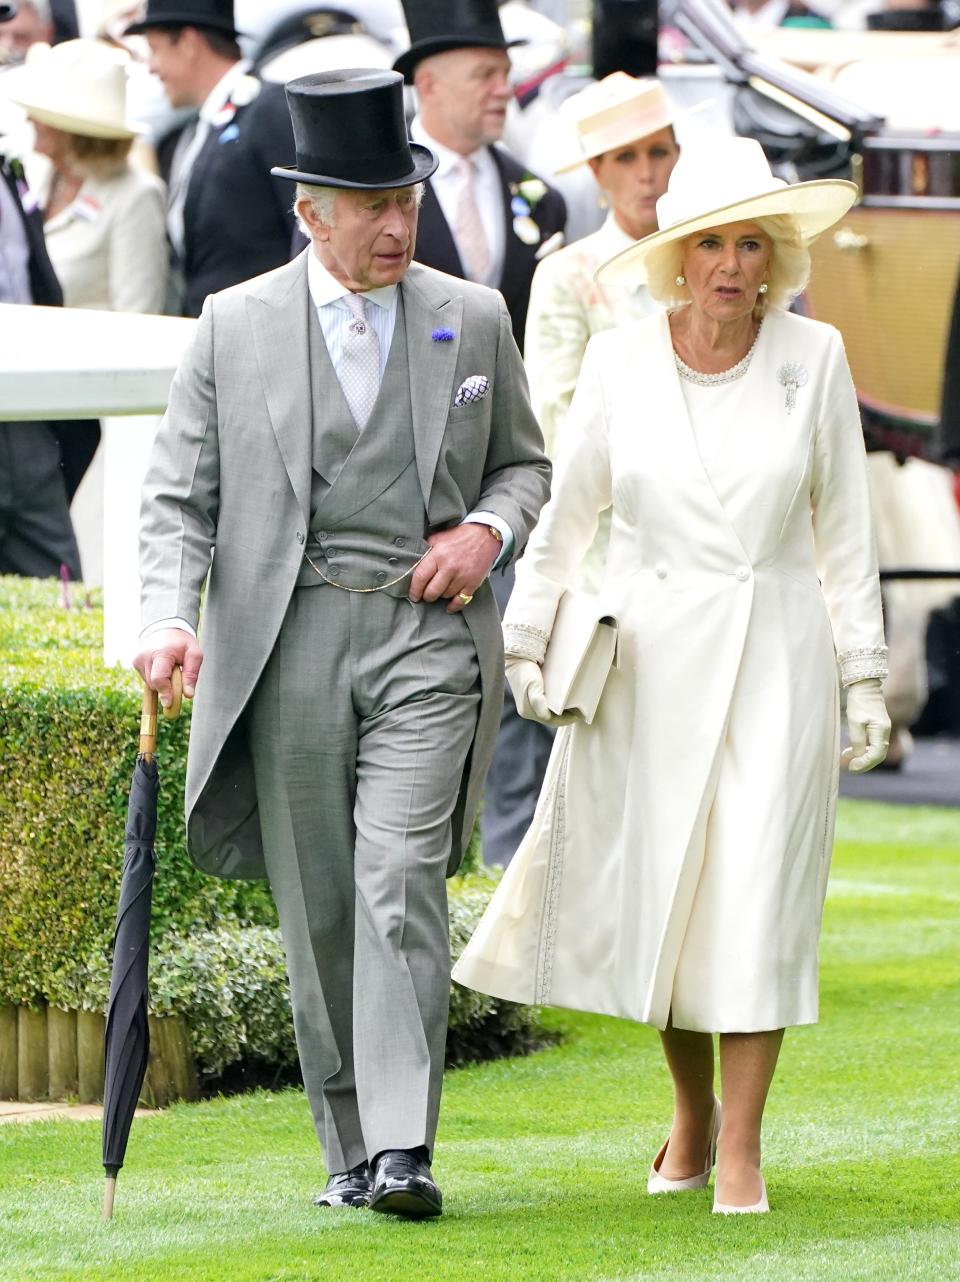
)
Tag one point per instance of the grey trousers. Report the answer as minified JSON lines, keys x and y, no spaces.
{"x":359,"y":729}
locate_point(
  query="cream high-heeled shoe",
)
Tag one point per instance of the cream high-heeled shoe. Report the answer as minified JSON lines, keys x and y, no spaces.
{"x":657,"y":1183}
{"x":758,"y":1208}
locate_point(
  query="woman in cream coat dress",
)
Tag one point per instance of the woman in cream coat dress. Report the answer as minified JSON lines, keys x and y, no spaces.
{"x":104,"y":221}
{"x":622,"y":128}
{"x":676,"y":867}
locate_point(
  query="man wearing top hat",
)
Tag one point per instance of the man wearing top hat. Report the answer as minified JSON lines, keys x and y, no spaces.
{"x":484,"y":218}
{"x":351,"y":437}
{"x":227,"y":218}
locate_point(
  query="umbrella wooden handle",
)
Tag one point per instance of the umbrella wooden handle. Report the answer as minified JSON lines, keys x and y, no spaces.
{"x":176,"y":680}
{"x":148,"y":714}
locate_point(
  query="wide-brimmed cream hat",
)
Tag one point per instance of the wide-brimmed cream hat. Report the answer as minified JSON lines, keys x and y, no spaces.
{"x":79,"y":86}
{"x":728,"y":180}
{"x":612,"y":112}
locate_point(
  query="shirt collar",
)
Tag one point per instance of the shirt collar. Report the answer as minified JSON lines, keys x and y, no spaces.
{"x":618,"y":238}
{"x":326,"y":289}
{"x":448,"y":158}
{"x":218,"y":96}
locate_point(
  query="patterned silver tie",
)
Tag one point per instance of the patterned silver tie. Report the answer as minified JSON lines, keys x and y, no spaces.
{"x":360,"y":362}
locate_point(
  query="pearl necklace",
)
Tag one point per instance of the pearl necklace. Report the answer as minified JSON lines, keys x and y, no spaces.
{"x":725,"y":376}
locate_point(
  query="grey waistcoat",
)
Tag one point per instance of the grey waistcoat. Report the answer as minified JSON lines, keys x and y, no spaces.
{"x":367,"y":514}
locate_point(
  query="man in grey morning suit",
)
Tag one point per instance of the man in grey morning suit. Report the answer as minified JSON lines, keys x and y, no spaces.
{"x":352,"y":438}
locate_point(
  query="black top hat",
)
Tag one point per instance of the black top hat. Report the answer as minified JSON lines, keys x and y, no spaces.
{"x":349,"y":131}
{"x":217,"y":15}
{"x":438,"y":25}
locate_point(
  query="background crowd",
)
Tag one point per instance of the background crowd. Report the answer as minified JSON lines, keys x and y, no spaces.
{"x":136,"y":165}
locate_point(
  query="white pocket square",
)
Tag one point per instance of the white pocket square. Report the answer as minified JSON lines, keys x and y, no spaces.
{"x":473,"y":388}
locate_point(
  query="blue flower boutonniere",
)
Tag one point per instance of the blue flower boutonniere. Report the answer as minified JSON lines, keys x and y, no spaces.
{"x":443,"y":335}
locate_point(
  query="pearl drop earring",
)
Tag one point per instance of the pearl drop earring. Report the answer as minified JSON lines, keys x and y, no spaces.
{"x":680,"y":280}
{"x":764,"y":287}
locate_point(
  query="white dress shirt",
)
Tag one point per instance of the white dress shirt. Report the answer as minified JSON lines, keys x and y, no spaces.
{"x":189,"y":145}
{"x":14,"y":251}
{"x":446,"y":183}
{"x":326,"y":294}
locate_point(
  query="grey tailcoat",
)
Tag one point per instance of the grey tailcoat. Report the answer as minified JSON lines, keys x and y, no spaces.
{"x":230,"y":476}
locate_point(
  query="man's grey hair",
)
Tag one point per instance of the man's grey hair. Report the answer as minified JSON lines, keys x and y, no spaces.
{"x":321,"y":200}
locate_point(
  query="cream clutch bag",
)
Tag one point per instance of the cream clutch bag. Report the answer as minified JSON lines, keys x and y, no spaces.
{"x":580,"y":653}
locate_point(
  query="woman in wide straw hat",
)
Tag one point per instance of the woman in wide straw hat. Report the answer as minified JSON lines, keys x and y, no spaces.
{"x":676,"y":867}
{"x":103,"y":217}
{"x":104,"y":222}
{"x":621,"y":128}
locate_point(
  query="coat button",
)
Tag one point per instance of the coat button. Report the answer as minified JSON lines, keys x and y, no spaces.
{"x":392,"y":560}
{"x":329,"y":553}
{"x":660,"y":571}
{"x":321,"y":535}
{"x":381,"y":576}
{"x":399,"y":542}
{"x":299,"y":536}
{"x":743,"y":573}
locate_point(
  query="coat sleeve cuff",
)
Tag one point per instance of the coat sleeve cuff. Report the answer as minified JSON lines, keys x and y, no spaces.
{"x":523,"y":641}
{"x":863,"y":664}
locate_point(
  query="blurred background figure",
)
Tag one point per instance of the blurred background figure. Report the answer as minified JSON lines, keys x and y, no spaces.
{"x":103,"y":217}
{"x":622,"y":130}
{"x":227,"y":219}
{"x":484,"y":218}
{"x":103,"y":223}
{"x":30,"y":24}
{"x":36,"y":536}
{"x":764,"y":15}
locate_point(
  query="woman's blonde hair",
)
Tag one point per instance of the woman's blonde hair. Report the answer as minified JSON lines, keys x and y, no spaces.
{"x":787,"y":274}
{"x":98,"y":157}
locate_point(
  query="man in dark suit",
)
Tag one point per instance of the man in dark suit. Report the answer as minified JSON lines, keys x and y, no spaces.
{"x":36,"y":537}
{"x":228,"y":219}
{"x":484,"y":216}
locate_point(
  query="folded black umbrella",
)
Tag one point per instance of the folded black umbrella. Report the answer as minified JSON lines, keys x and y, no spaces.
{"x":127,"y":1043}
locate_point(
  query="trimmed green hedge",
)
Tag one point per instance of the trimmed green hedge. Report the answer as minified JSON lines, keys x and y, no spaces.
{"x":68,"y":743}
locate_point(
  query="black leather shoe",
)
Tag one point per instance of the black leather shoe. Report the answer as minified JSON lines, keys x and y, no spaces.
{"x":402,"y":1185}
{"x":349,"y":1188}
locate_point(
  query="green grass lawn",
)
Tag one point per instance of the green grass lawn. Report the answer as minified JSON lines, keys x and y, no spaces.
{"x":543,"y":1161}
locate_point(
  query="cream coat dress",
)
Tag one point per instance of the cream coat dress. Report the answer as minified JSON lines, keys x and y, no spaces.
{"x":679,"y":854}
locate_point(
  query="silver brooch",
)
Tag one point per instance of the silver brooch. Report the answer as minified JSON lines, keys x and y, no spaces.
{"x":792,"y":375}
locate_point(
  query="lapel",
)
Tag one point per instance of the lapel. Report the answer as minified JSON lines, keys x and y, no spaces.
{"x":518,"y":258}
{"x":435,"y":244}
{"x":429,"y":305}
{"x":661,"y":383}
{"x":278,"y":316}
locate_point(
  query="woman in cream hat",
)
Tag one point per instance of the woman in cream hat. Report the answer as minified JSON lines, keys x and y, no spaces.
{"x":103,"y":217}
{"x":676,"y":867}
{"x":622,"y":129}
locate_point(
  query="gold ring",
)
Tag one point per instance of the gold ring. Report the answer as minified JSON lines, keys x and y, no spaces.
{"x":465,"y":597}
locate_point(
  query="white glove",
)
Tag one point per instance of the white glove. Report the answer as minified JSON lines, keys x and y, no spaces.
{"x":869,"y":727}
{"x":526,"y":682}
